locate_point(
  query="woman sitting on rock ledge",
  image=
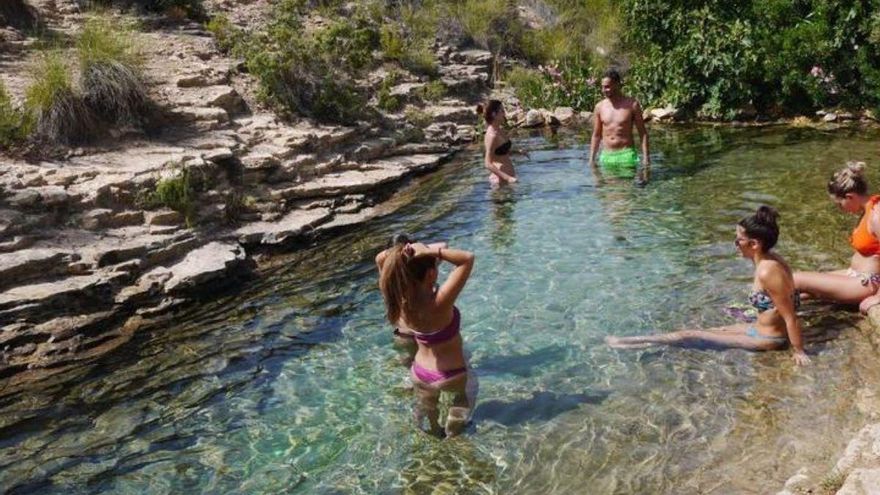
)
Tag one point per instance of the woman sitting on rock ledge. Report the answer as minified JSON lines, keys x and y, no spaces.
{"x":407,"y":276}
{"x":498,"y":145}
{"x":773,"y":295}
{"x":859,"y":283}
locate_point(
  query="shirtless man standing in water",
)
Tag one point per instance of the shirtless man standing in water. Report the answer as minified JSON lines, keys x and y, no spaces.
{"x":613,"y":121}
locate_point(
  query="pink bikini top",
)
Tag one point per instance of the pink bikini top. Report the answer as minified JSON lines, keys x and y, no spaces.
{"x":447,"y":333}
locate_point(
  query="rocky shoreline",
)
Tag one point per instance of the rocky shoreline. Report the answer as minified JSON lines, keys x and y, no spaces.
{"x":85,"y":263}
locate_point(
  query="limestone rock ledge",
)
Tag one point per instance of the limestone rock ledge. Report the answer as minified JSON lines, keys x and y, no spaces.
{"x":857,"y":472}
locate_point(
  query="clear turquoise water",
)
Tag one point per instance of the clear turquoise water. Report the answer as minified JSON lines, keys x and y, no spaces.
{"x":291,"y":385}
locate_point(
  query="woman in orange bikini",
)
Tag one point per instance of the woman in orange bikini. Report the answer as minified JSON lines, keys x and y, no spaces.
{"x":407,"y":277}
{"x":859,"y":283}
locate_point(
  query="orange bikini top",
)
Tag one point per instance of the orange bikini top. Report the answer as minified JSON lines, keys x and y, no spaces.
{"x":862,"y":239}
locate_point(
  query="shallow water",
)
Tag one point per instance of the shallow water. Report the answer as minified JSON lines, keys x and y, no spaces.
{"x":292,"y":386}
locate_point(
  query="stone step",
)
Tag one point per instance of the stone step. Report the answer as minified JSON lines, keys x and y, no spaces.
{"x":20,"y":267}
{"x":291,"y":226}
{"x":371,"y":176}
{"x":68,"y":296}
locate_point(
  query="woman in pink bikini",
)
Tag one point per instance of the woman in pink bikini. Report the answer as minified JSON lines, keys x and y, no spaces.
{"x":407,"y":277}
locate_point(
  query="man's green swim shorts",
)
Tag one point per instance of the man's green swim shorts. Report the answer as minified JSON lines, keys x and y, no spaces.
{"x":622,"y":163}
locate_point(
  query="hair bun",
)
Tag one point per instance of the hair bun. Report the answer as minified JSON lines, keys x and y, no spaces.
{"x":480,"y":109}
{"x":767,"y":214}
{"x":857,"y":168}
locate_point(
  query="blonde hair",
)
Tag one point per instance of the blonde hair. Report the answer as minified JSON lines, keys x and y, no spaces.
{"x":849,"y":179}
{"x":401,"y":274}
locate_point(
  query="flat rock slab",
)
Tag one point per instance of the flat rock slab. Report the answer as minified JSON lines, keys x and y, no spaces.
{"x":372,"y":176}
{"x":210,"y":262}
{"x":291,"y":225}
{"x":19,"y":266}
{"x":861,"y":482}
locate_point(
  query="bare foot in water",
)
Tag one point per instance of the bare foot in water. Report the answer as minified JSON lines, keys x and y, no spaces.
{"x":620,"y":343}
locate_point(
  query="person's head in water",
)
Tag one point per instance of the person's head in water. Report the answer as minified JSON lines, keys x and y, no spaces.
{"x":848,"y":188}
{"x":492,"y":111}
{"x":611,"y":83}
{"x":403,"y":277}
{"x":757,"y":233}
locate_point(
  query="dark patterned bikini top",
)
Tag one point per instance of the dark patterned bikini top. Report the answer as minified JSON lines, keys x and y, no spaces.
{"x":762,"y":301}
{"x":503,"y":149}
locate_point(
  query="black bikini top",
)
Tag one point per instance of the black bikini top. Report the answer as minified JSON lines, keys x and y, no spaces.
{"x":504,"y":148}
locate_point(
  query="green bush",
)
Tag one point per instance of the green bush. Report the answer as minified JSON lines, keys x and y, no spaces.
{"x":566,"y":84}
{"x":176,"y":192}
{"x":311,"y":72}
{"x":225,"y":33}
{"x":433,"y":91}
{"x":492,"y":24}
{"x":11,"y":128}
{"x":418,"y":118}
{"x":110,"y":71}
{"x":349,"y":42}
{"x":387,"y":101}
{"x":392,"y":43}
{"x":781,"y":56}
{"x":54,"y":112}
{"x":420,"y":61}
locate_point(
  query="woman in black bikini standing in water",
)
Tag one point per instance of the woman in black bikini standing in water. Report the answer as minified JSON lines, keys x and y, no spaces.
{"x":498,"y":145}
{"x":407,"y":276}
{"x":773,"y":295}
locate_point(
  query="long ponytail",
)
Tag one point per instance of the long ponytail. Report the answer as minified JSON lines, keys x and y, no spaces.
{"x":400,"y":276}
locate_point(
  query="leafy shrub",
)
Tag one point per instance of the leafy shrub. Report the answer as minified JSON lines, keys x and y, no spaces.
{"x":54,"y":112}
{"x":387,"y":101}
{"x":176,"y":192}
{"x":392,"y":43}
{"x":311,"y":72}
{"x":433,"y":91}
{"x":492,"y":24}
{"x":225,"y":33}
{"x":110,"y":74}
{"x":420,"y":61}
{"x":775,"y":54}
{"x":566,"y":84}
{"x":417,"y":117}
{"x":11,"y":130}
{"x":349,"y":42}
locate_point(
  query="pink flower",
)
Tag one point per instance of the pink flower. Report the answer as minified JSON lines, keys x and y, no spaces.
{"x":591,"y":81}
{"x":816,"y":71}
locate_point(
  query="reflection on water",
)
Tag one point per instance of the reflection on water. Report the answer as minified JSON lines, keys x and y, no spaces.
{"x":504,"y":226}
{"x":292,"y":386}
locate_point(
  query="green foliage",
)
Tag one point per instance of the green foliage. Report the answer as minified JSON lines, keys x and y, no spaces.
{"x":418,"y":118}
{"x":492,"y":24}
{"x":775,"y":54}
{"x":11,"y":129}
{"x":176,"y":192}
{"x":566,"y":84}
{"x":110,"y":74}
{"x":832,"y":482}
{"x":225,"y":33}
{"x":387,"y":101}
{"x":392,"y":43}
{"x":433,"y":91}
{"x":420,"y":61}
{"x":311,"y":72}
{"x":54,"y":112}
{"x":350,"y":42}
